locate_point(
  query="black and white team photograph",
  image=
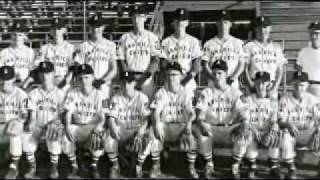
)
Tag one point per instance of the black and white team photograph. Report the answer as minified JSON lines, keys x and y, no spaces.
{"x":157,"y":89}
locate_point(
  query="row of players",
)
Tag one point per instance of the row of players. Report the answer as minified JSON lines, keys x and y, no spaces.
{"x":175,"y":117}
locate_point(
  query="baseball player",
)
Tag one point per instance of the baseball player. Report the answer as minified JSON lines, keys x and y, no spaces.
{"x":217,"y":108}
{"x":59,"y":52}
{"x":298,"y":119}
{"x":183,"y":48}
{"x":45,"y":122}
{"x":226,"y":47}
{"x":128,"y":123}
{"x":18,"y":55}
{"x":264,"y":55}
{"x":84,"y":119}
{"x":173,"y":115}
{"x":309,"y":59}
{"x":99,"y":53}
{"x":138,"y":51}
{"x":261,"y":115}
{"x":13,"y":113}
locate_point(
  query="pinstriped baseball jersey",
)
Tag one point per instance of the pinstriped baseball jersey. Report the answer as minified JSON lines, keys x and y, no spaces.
{"x":22,"y":59}
{"x":13,"y":105}
{"x":137,"y":50}
{"x":220,"y":107}
{"x":46,"y":104}
{"x":61,"y":56}
{"x":262,"y":111}
{"x":98,"y":55}
{"x":182,"y":50}
{"x":264,"y":57}
{"x":130,"y":113}
{"x":302,"y":113}
{"x":230,"y":51}
{"x":86,"y":108}
{"x":174,"y":107}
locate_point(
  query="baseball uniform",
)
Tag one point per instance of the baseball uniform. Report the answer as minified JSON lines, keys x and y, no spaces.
{"x":230,"y":50}
{"x":21,"y":59}
{"x":183,"y":51}
{"x":136,"y":51}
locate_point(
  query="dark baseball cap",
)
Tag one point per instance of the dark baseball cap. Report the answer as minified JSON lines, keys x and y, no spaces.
{"x":181,"y":14}
{"x":262,"y":75}
{"x":129,"y":76}
{"x":173,"y":66}
{"x":300,"y":76}
{"x":6,"y":73}
{"x":224,"y":16}
{"x":262,"y":21}
{"x":46,"y":67}
{"x":137,"y":10}
{"x":314,"y":26}
{"x":58,"y":23}
{"x":96,"y":20}
{"x":220,"y":64}
{"x":84,"y":69}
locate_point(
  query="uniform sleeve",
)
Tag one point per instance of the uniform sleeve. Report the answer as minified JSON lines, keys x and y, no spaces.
{"x":196,"y":51}
{"x":280,"y":56}
{"x":206,"y":52}
{"x":246,"y":53}
{"x":155,"y":45}
{"x":32,"y":101}
{"x":69,"y":102}
{"x":145,"y":107}
{"x":158,"y":101}
{"x":189,"y":103}
{"x":300,"y":58}
{"x":121,"y":49}
{"x":242,"y":53}
{"x":114,"y":52}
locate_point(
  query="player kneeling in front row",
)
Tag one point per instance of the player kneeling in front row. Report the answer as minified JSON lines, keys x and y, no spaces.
{"x":128,"y":124}
{"x":260,"y":117}
{"x":299,"y":121}
{"x":216,"y":109}
{"x":85,"y":121}
{"x":173,"y":115}
{"x":45,"y":122}
{"x":13,"y":113}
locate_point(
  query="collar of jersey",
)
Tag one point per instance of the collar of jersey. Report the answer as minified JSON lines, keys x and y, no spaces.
{"x":259,"y":101}
{"x":177,"y":40}
{"x":214,"y":90}
{"x":218,"y":41}
{"x":260,"y":45}
{"x":46,"y":93}
{"x":129,"y":101}
{"x":134,"y":36}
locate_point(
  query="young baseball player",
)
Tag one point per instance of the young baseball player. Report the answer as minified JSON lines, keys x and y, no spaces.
{"x":45,"y":122}
{"x":299,"y":119}
{"x":128,"y":124}
{"x":138,"y":51}
{"x":261,"y":116}
{"x":217,"y":108}
{"x":264,"y":55}
{"x":59,"y":52}
{"x":183,"y":48}
{"x":173,"y":114}
{"x":18,"y":55}
{"x":84,"y":119}
{"x":226,"y":47}
{"x":309,"y":59}
{"x":99,"y":53}
{"x":13,"y":113}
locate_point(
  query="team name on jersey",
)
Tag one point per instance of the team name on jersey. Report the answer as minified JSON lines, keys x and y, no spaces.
{"x":177,"y":52}
{"x":47,"y":104}
{"x":138,"y":48}
{"x":266,"y":56}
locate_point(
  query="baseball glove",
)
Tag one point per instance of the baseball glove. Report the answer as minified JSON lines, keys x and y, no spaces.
{"x":272,"y":137}
{"x":138,"y":143}
{"x":14,"y":127}
{"x":242,"y":134}
{"x":96,"y":141}
{"x":53,"y":131}
{"x":314,"y":142}
{"x":186,"y":140}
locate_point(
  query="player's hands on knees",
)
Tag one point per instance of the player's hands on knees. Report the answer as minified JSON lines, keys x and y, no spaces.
{"x":69,"y":134}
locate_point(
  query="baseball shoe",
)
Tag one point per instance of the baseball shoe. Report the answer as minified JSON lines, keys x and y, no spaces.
{"x":139,"y":172}
{"x":155,"y":170}
{"x":193,"y":173}
{"x":31,"y":171}
{"x":94,"y":173}
{"x":74,"y":174}
{"x":11,"y":174}
{"x":54,"y":174}
{"x":208,"y":172}
{"x":114,"y":172}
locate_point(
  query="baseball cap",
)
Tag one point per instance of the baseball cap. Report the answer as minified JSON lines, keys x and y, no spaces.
{"x":300,"y":76}
{"x":173,"y":66}
{"x":262,"y":75}
{"x":181,"y":14}
{"x":314,"y":26}
{"x":220,"y":64}
{"x":262,"y":21}
{"x":19,"y":27}
{"x":96,"y":20}
{"x":46,"y":67}
{"x":84,"y":69}
{"x":6,"y":73}
{"x":137,"y":10}
{"x":58,"y":23}
{"x":129,"y":76}
{"x":224,"y":15}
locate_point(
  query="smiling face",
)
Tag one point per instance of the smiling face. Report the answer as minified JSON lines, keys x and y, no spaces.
{"x":86,"y":79}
